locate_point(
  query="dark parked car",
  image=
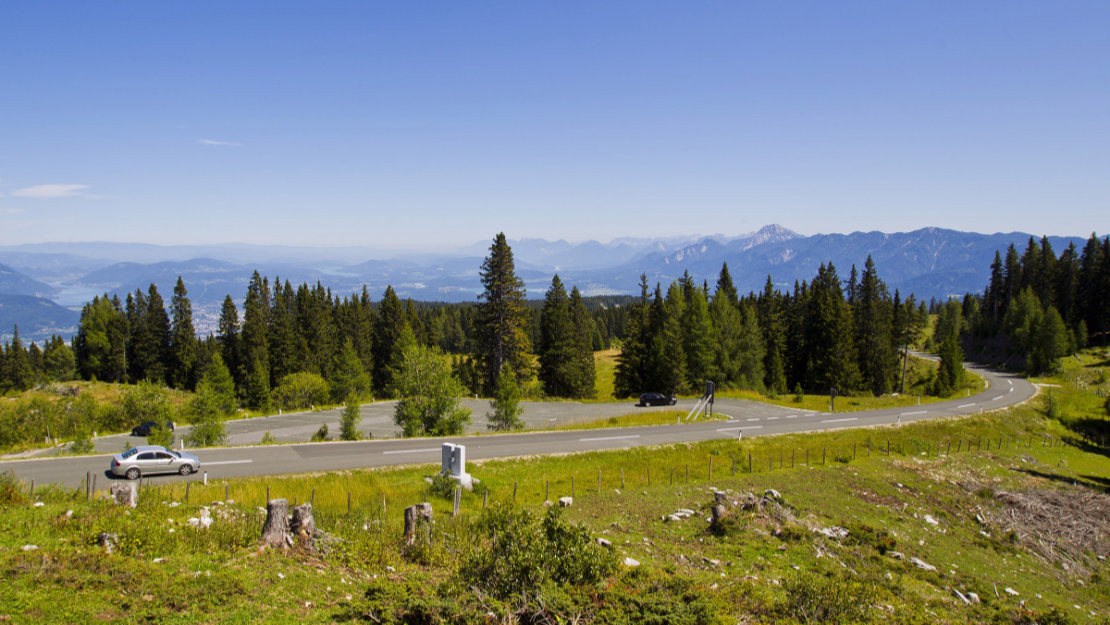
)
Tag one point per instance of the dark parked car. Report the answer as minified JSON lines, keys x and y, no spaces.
{"x":148,"y":459}
{"x":143,"y":429}
{"x":657,"y":399}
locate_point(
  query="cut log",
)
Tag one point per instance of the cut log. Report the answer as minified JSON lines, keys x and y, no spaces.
{"x":416,"y":515}
{"x":276,"y":532}
{"x":303,"y":525}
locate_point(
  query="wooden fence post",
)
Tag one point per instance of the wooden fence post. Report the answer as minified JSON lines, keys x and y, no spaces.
{"x":622,"y":478}
{"x":267,"y":493}
{"x":348,"y":502}
{"x":807,"y":457}
{"x":187,"y":492}
{"x":792,"y":457}
{"x":822,"y":455}
{"x":547,"y":491}
{"x":88,"y":487}
{"x":734,"y":465}
{"x":572,"y":486}
{"x":226,"y":491}
{"x":599,"y":480}
{"x":710,"y":468}
{"x":485,"y":499}
{"x":749,"y":462}
{"x":514,"y":491}
{"x":312,"y":499}
{"x":687,"y":473}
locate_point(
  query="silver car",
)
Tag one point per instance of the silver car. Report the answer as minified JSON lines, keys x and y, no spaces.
{"x":150,"y":459}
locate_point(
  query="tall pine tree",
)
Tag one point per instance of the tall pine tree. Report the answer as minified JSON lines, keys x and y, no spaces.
{"x":502,"y":332}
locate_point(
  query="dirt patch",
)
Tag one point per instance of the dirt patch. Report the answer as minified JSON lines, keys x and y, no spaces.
{"x":1062,"y":526}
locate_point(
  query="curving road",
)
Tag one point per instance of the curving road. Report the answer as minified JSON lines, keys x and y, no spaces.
{"x":752,"y":418}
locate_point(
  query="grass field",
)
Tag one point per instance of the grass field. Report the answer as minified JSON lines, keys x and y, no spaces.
{"x":1011,"y":500}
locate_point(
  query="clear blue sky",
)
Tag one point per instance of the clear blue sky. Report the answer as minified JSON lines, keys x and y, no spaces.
{"x":424,"y":125}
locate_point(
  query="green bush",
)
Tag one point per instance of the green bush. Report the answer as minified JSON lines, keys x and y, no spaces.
{"x":301,"y":390}
{"x":321,"y":434}
{"x":865,"y":535}
{"x":834,"y":598}
{"x":523,"y":553}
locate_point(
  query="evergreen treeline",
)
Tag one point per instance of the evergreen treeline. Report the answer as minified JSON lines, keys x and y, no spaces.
{"x":825,"y":335}
{"x":1039,"y":306}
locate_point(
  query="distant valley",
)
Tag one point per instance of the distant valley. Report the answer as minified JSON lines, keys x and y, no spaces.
{"x":42,"y":286}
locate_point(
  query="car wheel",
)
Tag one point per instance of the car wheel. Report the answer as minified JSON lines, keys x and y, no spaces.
{"x":185,"y":469}
{"x":133,"y":473}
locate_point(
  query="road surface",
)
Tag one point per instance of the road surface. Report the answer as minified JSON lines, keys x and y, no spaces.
{"x":753,"y":418}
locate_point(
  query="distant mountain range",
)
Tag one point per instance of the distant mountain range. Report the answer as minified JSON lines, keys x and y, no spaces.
{"x":42,"y":286}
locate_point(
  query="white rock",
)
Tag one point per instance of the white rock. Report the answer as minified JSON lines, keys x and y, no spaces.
{"x":39,"y":504}
{"x":631,"y":562}
{"x":30,"y":547}
{"x":922,"y":564}
{"x":961,"y":596}
{"x":281,"y":576}
{"x":604,"y":543}
{"x":566,"y":502}
{"x":974,"y":597}
{"x":930,"y":520}
{"x":1011,"y":591}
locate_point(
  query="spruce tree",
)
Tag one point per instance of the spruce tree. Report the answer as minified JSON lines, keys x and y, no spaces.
{"x":228,"y":339}
{"x":255,"y":340}
{"x":502,"y":332}
{"x":59,"y":363}
{"x":17,"y":363}
{"x":631,"y":376}
{"x":183,"y":339}
{"x":556,"y":347}
{"x":390,"y":321}
{"x":585,"y":377}
{"x":875,"y":352}
{"x":505,"y":410}
{"x":100,"y":346}
{"x":769,"y":307}
{"x":698,"y":339}
{"x":750,"y":349}
{"x":830,"y":350}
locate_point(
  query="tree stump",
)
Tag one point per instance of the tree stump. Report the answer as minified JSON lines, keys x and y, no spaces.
{"x":416,"y":515}
{"x":303,"y":525}
{"x":276,"y":532}
{"x":124,"y":494}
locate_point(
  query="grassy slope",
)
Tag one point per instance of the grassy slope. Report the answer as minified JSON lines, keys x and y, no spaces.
{"x":217,"y":576}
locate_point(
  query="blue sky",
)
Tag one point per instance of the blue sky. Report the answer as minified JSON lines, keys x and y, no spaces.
{"x":425,"y":125}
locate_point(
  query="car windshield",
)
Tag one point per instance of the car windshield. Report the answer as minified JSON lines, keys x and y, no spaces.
{"x":130,"y":452}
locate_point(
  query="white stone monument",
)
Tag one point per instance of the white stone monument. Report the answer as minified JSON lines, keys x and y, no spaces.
{"x":453,"y":460}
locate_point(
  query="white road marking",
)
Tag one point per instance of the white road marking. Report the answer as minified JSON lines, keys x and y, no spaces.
{"x":910,"y":414}
{"x":1010,"y":382}
{"x":754,"y":419}
{"x":608,"y":438}
{"x":791,"y":416}
{"x":965,"y":405}
{"x":840,"y":420}
{"x":411,"y":451}
{"x":750,"y":427}
{"x":1010,"y":391}
{"x":772,"y":418}
{"x":997,"y":398}
{"x":208,"y":464}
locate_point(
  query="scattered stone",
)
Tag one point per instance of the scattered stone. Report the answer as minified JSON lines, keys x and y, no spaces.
{"x":38,"y":504}
{"x":973,"y":597}
{"x":921,"y":564}
{"x":834,"y":532}
{"x":1010,"y":591}
{"x":547,"y":503}
{"x":566,"y":502}
{"x":710,"y":561}
{"x":158,"y":560}
{"x":961,"y":596}
{"x":684,"y":512}
{"x":604,"y":543}
{"x":107,"y":541}
{"x":631,"y":562}
{"x":930,"y":520}
{"x":773,"y":494}
{"x":202,"y":521}
{"x":30,"y":547}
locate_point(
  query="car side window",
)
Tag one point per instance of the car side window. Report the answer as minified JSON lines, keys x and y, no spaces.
{"x":146,"y":456}
{"x":163,"y":455}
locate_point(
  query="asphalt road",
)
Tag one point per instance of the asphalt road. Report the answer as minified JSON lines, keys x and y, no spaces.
{"x":752,"y":418}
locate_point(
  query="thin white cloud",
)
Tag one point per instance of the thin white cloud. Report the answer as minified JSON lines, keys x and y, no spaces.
{"x":214,"y":142}
{"x":50,"y":191}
